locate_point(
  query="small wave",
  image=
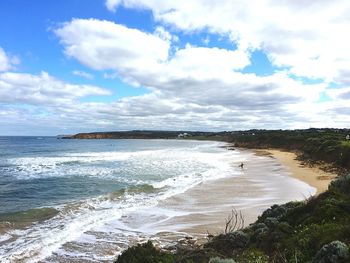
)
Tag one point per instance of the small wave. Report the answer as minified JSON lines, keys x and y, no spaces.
{"x":24,"y":218}
{"x":155,"y":174}
{"x":131,"y":190}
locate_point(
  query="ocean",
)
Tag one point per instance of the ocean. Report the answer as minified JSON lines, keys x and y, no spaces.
{"x":87,"y":200}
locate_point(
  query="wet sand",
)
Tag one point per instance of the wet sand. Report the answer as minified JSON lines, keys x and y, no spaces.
{"x":265,"y":180}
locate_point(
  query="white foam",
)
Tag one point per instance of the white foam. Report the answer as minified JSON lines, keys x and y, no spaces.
{"x":4,"y":237}
{"x":182,"y":159}
{"x":102,"y":214}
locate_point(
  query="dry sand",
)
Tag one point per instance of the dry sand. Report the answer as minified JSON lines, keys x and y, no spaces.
{"x":311,"y":175}
{"x":269,"y":177}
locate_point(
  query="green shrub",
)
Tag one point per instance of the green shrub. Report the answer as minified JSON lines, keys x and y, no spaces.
{"x":334,"y":252}
{"x":253,"y":255}
{"x":145,"y":253}
{"x":220,"y":260}
{"x":341,"y":184}
{"x":226,"y":244}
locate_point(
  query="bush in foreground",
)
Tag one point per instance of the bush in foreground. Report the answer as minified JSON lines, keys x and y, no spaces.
{"x":145,"y":253}
{"x":334,"y":252}
{"x":220,"y":260}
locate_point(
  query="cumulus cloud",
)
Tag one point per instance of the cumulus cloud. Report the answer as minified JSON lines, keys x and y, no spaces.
{"x":7,"y":62}
{"x":111,"y":45}
{"x":201,"y":75}
{"x":42,"y":89}
{"x":202,"y":87}
{"x":308,"y":37}
{"x":194,"y":87}
{"x":106,"y":45}
{"x":135,"y":54}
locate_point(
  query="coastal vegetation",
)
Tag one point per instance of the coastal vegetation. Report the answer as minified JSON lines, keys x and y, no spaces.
{"x":313,"y":145}
{"x":314,"y":230}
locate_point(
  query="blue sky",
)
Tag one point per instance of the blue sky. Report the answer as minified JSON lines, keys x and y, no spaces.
{"x":31,"y":38}
{"x":77,"y":66}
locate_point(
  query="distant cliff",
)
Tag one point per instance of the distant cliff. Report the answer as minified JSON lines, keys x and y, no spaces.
{"x":138,"y":134}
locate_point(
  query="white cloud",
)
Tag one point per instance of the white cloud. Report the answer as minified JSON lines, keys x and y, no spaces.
{"x":54,"y":106}
{"x":165,"y":35}
{"x":194,"y":86}
{"x":82,"y":74}
{"x":111,"y":45}
{"x":310,"y":37}
{"x":112,"y":4}
{"x":7,"y":62}
{"x":42,"y":90}
{"x":209,"y":60}
{"x":339,"y":93}
{"x":106,"y":45}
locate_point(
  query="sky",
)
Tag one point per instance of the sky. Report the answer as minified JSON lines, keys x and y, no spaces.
{"x":74,"y":66}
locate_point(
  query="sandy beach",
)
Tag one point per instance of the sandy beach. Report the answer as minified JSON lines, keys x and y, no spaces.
{"x":311,"y":175}
{"x":269,"y":177}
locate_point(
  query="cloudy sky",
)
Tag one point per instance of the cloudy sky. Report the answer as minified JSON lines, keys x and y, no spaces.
{"x":98,"y":65}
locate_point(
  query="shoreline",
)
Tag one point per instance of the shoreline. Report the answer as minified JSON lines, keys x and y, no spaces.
{"x":262,"y":183}
{"x":313,"y":176}
{"x":228,"y":191}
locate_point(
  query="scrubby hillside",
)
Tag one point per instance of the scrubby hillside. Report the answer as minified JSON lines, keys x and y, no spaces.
{"x":328,"y":145}
{"x":316,"y":230}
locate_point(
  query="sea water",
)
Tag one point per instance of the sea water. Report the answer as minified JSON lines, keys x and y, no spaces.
{"x":54,"y":191}
{"x":87,"y":200}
